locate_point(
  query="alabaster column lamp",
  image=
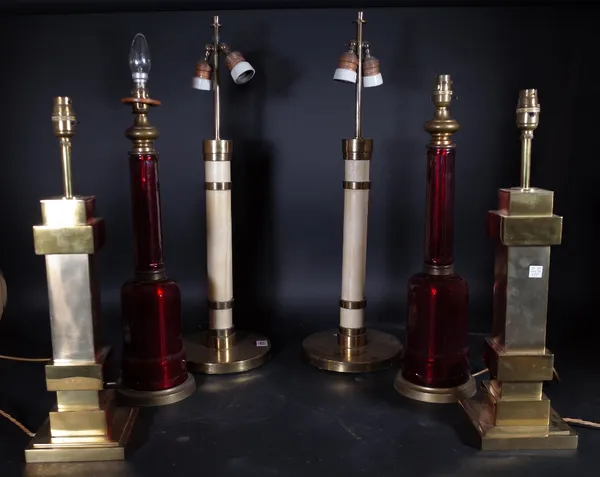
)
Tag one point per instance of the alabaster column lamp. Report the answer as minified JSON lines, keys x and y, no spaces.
{"x":85,"y":425}
{"x":435,"y":366}
{"x":511,"y":411}
{"x":154,"y":369}
{"x":351,"y":348}
{"x":221,"y":349}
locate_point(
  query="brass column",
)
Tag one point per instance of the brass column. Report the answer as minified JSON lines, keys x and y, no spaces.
{"x":511,"y":410}
{"x":85,"y":425}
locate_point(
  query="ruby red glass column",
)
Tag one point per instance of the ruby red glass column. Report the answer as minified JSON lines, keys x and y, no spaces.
{"x":153,"y":353}
{"x":436,"y":353}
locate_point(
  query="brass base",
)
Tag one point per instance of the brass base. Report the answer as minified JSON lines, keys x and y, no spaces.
{"x":136,"y":398}
{"x":434,"y":395}
{"x":557,"y":436}
{"x":44,"y":448}
{"x":324,"y":352}
{"x":249,"y":350}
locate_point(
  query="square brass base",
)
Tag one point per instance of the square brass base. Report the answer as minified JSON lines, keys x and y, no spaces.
{"x":558,"y":435}
{"x":43,"y":448}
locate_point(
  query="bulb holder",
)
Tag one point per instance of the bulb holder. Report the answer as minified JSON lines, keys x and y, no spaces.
{"x":241,"y":71}
{"x":347,"y":68}
{"x":372,"y":80}
{"x":371,"y":75}
{"x":345,"y":76}
{"x":203,"y":78}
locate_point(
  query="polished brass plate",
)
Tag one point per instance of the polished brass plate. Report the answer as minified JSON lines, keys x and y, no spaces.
{"x":43,"y":448}
{"x":434,"y":395}
{"x":323,"y":351}
{"x":136,"y":398}
{"x":557,"y":436}
{"x":249,"y":351}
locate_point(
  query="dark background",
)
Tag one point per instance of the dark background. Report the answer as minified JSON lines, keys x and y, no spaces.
{"x":287,"y":124}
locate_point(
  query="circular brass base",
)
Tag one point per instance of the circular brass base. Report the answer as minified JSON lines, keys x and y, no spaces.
{"x":435,"y":395}
{"x":324,"y":352}
{"x":249,"y":350}
{"x":132,"y":397}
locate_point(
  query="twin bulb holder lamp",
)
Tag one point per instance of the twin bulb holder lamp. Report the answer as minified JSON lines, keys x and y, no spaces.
{"x":86,"y":425}
{"x":351,"y":349}
{"x":154,"y":368}
{"x":221,"y":349}
{"x":511,"y":411}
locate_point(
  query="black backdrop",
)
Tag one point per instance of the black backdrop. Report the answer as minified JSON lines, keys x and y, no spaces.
{"x":287,"y":125}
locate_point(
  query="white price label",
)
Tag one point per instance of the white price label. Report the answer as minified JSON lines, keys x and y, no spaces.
{"x":262,"y":343}
{"x":536,"y":271}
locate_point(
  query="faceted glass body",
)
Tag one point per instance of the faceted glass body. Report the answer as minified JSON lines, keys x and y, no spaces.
{"x":153,"y":353}
{"x":436,"y":353}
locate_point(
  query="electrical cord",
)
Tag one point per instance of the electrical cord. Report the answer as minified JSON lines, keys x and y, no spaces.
{"x":571,"y":420}
{"x":4,"y":413}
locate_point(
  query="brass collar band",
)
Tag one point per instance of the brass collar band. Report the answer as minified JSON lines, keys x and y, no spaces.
{"x":357,"y":149}
{"x":220,"y":339}
{"x":150,"y":275}
{"x":357,"y":185}
{"x":438,"y":269}
{"x":353,"y":305}
{"x":217,"y":185}
{"x":352,"y":337}
{"x":220,"y":305}
{"x":217,"y":149}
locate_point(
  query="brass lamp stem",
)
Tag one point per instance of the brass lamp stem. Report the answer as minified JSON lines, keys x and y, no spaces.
{"x":215,"y":78}
{"x":526,"y":140}
{"x":359,"y":74}
{"x":65,"y":150}
{"x":64,"y":123}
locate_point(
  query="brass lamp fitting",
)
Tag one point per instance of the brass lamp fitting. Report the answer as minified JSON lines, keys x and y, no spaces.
{"x":511,"y":411}
{"x":85,"y":425}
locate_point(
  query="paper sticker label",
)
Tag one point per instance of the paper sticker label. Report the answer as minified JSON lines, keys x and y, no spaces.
{"x":536,"y":271}
{"x":262,"y":343}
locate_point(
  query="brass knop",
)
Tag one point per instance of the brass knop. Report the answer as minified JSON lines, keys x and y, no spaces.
{"x":141,"y":133}
{"x":442,"y":126}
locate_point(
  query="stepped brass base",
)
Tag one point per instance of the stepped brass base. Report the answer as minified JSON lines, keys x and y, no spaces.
{"x":557,"y":436}
{"x":136,"y":398}
{"x":44,"y":448}
{"x":434,"y":395}
{"x":249,"y":350}
{"x":323,"y":351}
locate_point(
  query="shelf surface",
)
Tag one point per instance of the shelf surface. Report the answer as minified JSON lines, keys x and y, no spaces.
{"x":289,"y":419}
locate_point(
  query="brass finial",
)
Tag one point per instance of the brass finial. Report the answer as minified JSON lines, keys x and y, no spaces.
{"x":528,"y":119}
{"x":64,"y":124}
{"x":442,"y":126}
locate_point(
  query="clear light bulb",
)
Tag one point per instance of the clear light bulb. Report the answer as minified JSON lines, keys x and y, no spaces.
{"x":139,"y":60}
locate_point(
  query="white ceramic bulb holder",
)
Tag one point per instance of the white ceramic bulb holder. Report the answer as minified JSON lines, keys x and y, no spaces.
{"x":242,"y":72}
{"x":202,"y":84}
{"x":345,"y":76}
{"x":373,"y":80}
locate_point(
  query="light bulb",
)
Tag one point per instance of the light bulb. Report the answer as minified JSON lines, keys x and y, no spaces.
{"x":139,"y":60}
